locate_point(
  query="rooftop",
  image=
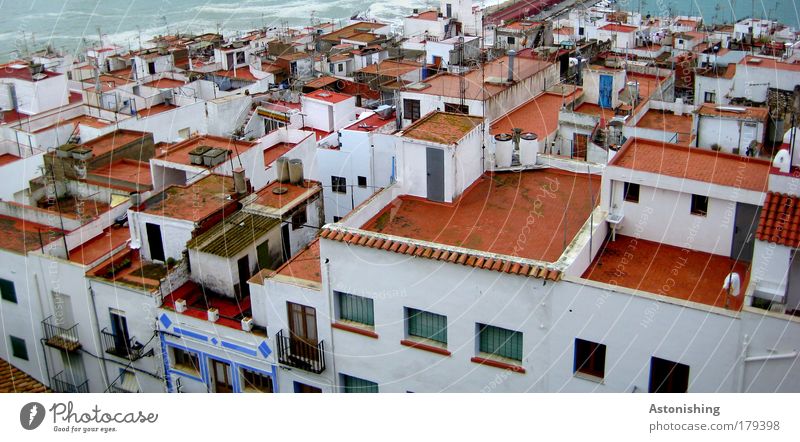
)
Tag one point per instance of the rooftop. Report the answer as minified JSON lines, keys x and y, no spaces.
{"x":614,"y":27}
{"x":276,"y":151}
{"x":119,"y":138}
{"x":442,"y":127}
{"x":195,"y":201}
{"x":20,"y":70}
{"x":165,"y":83}
{"x":593,"y":109}
{"x":391,"y":68}
{"x":157,"y":109}
{"x":653,"y":267}
{"x":179,"y":152}
{"x":107,"y":83}
{"x":477,"y":85}
{"x":328,"y":96}
{"x":20,"y":236}
{"x":432,"y":15}
{"x":125,"y":171}
{"x":371,"y":123}
{"x":321,"y":82}
{"x":780,"y":220}
{"x":8,"y":158}
{"x":768,"y":63}
{"x":305,"y":265}
{"x":99,"y":246}
{"x":668,"y":122}
{"x":490,"y":215}
{"x":126,"y":267}
{"x":233,"y":234}
{"x":693,"y":163}
{"x":199,"y":300}
{"x":14,"y":380}
{"x":539,"y":115}
{"x":737,"y":112}
{"x":351,"y":30}
{"x":278,"y":197}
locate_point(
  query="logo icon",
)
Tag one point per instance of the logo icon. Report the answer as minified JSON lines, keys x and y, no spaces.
{"x":31,"y":415}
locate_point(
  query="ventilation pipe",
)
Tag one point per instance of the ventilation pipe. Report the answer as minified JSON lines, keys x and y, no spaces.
{"x":512,"y":54}
{"x":282,"y":164}
{"x":239,"y":182}
{"x":296,"y":172}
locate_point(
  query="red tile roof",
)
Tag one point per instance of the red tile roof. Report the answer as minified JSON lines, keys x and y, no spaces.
{"x":693,"y":163}
{"x":780,"y":220}
{"x":14,"y":380}
{"x":613,"y":27}
{"x":328,"y":96}
{"x":442,"y":127}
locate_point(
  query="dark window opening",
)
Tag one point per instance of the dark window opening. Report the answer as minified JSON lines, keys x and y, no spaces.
{"x":339,"y":184}
{"x":7,"y":291}
{"x":18,"y":348}
{"x":411,"y":109}
{"x":668,"y":377}
{"x":456,"y":108}
{"x":631,"y":192}
{"x":362,"y":181}
{"x":590,"y":358}
{"x":699,"y":205}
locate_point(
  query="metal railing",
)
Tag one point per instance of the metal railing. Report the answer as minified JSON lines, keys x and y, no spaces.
{"x":60,"y":384}
{"x":297,"y":353}
{"x":60,"y":337}
{"x":118,"y":346}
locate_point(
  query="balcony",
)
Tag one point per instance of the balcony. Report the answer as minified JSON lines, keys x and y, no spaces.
{"x":60,"y":337}
{"x":297,"y":353}
{"x":120,"y":347}
{"x":62,"y":383}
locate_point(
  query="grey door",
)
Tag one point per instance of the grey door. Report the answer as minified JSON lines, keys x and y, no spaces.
{"x":435,"y":166}
{"x":744,"y":230}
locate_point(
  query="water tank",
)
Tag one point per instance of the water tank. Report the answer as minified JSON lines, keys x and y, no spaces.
{"x":528,"y":148}
{"x":633,"y":90}
{"x":239,"y":182}
{"x":504,"y":147}
{"x":282,"y":169}
{"x":296,"y":171}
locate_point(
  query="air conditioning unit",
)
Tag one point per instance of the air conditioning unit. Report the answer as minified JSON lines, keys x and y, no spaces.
{"x":247,"y":323}
{"x":180,"y":305}
{"x":213,"y":315}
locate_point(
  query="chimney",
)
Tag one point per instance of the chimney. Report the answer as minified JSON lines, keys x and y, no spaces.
{"x":239,"y":182}
{"x":511,"y":55}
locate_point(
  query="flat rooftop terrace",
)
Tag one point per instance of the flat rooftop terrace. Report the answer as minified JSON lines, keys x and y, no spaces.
{"x":539,"y":115}
{"x":20,"y":236}
{"x":193,"y":202}
{"x":179,"y":152}
{"x":493,"y":213}
{"x":654,"y":266}
{"x":668,"y":122}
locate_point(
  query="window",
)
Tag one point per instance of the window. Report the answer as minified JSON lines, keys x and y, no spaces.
{"x":668,"y":377}
{"x":590,"y":358}
{"x":186,"y":361}
{"x":304,"y":388}
{"x":449,"y":10}
{"x":18,"y":348}
{"x":340,"y":67}
{"x":330,"y":67}
{"x":511,"y":40}
{"x":710,"y":97}
{"x":353,"y":384}
{"x":456,"y":108}
{"x":411,"y":109}
{"x":699,"y":205}
{"x":631,"y":192}
{"x":336,"y":219}
{"x":362,"y":181}
{"x":426,"y":325}
{"x":339,"y":184}
{"x":299,"y":218}
{"x":498,"y":341}
{"x":7,"y":290}
{"x":355,"y":308}
{"x":256,"y":382}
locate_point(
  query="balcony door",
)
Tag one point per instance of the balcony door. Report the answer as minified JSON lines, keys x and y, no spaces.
{"x":303,"y":323}
{"x":119,"y":327}
{"x":221,"y":379}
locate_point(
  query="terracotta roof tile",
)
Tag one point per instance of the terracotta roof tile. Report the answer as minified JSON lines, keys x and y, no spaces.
{"x":454,"y":257}
{"x":14,"y":380}
{"x":780,"y":220}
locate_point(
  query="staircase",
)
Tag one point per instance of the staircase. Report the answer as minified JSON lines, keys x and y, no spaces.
{"x":240,"y":131}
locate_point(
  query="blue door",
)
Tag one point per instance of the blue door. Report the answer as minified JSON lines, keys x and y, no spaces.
{"x":606,"y":84}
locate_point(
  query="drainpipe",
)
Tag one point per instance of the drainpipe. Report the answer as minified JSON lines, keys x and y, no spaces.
{"x":96,"y":330}
{"x":742,"y":360}
{"x":790,"y":355}
{"x":335,"y":382}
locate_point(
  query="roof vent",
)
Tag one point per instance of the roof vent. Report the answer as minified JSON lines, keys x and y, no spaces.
{"x":280,"y":190}
{"x":418,"y":86}
{"x":754,"y":61}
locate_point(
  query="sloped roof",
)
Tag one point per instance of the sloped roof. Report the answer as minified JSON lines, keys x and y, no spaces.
{"x":14,"y":380}
{"x":233,"y":235}
{"x":780,"y":220}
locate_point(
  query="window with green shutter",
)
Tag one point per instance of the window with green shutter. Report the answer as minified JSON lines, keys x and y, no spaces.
{"x":500,"y":342}
{"x":18,"y":348}
{"x":426,"y":325}
{"x":353,"y":384}
{"x":355,"y":308}
{"x":7,"y":290}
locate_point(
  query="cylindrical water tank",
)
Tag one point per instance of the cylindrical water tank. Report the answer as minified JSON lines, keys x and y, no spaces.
{"x":282,"y":169}
{"x":528,"y":148}
{"x":296,"y":171}
{"x":504,"y":147}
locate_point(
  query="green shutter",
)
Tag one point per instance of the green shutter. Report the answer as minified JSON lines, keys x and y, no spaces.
{"x":427,"y":325}
{"x":356,"y":308}
{"x":356,"y":385}
{"x":18,"y":348}
{"x":500,"y":342}
{"x":7,"y":291}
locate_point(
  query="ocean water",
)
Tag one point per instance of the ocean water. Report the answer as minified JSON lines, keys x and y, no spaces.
{"x":66,"y":23}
